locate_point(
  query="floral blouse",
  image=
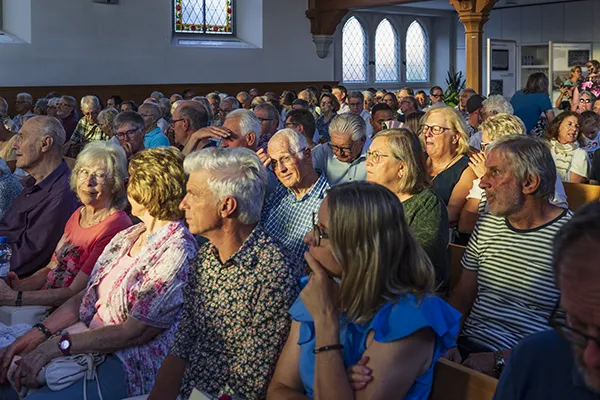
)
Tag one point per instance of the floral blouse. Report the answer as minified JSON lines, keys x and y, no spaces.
{"x":592,"y":85}
{"x":151,"y":291}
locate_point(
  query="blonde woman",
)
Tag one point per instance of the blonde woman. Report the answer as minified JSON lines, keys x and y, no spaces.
{"x":381,"y":313}
{"x":395,"y":160}
{"x":444,"y":132}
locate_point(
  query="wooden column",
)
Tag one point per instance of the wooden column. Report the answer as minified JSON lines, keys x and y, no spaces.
{"x":474,"y":14}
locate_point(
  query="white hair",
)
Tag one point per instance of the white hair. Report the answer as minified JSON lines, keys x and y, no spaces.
{"x":497,"y":104}
{"x":367,"y":95}
{"x":53,"y":102}
{"x":296,"y":141}
{"x":3,"y":107}
{"x":157,"y":95}
{"x":235,"y":104}
{"x":234,"y":172}
{"x":349,"y":124}
{"x":153,"y":108}
{"x":90,"y":101}
{"x":174,"y":106}
{"x":26,"y":96}
{"x":248,"y":121}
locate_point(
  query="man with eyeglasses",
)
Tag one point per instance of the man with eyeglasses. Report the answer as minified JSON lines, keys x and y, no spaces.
{"x":35,"y":220}
{"x":153,"y":136}
{"x":436,"y":95}
{"x":88,"y":129}
{"x":129,"y":130}
{"x":23,"y":106}
{"x":356,"y":101}
{"x":287,"y":214}
{"x":506,"y":289}
{"x":269,"y":123}
{"x":302,"y":121}
{"x":190,"y":127}
{"x":343,"y":158}
{"x":564,"y":363}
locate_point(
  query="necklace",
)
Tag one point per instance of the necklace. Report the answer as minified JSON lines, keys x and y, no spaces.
{"x":93,"y":220}
{"x":445,"y":168}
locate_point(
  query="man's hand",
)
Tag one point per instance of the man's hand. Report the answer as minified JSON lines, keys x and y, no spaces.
{"x":210,"y":132}
{"x":264,"y":157}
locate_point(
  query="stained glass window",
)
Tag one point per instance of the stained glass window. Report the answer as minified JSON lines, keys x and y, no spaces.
{"x":204,"y":16}
{"x":386,"y":53}
{"x":354,"y":52}
{"x":417,"y":53}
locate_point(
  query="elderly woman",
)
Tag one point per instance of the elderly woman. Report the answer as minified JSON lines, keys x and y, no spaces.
{"x":105,"y":120}
{"x":572,"y":162}
{"x":329,"y":108}
{"x":41,"y":107}
{"x":382,"y":313}
{"x":493,"y":105}
{"x":98,"y":178}
{"x":444,"y":132}
{"x":585,"y":103}
{"x":130,"y":310}
{"x":533,"y":101}
{"x":53,"y":107}
{"x":10,"y":187}
{"x":395,"y":160}
{"x":492,"y":129}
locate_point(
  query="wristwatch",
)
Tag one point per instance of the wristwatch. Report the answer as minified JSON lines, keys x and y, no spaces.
{"x":65,"y":344}
{"x":499,"y":362}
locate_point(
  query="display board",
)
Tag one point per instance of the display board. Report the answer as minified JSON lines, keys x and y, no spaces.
{"x":501,"y":67}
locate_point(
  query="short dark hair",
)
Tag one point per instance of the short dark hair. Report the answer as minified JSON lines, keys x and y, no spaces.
{"x":134,"y":106}
{"x":197,"y":116}
{"x":305,"y":118}
{"x":554,"y":126}
{"x":341,"y":89}
{"x":187,"y":92}
{"x":357,"y":95}
{"x":301,"y":102}
{"x":412,"y":100}
{"x":536,"y":83}
{"x":326,"y":88}
{"x":381,"y":107}
{"x":288,"y":97}
{"x":435,"y":88}
{"x":410,"y":91}
{"x":128,"y":117}
{"x":372,"y":90}
{"x":118,"y":100}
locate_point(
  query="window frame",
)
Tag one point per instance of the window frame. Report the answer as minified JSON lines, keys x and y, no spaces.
{"x":204,"y":35}
{"x":366,"y":51}
{"x":396,"y":50}
{"x":427,"y":52}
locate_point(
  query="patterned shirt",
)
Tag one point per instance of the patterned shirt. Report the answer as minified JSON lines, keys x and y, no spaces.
{"x":151,"y":291}
{"x":288,"y":219}
{"x":86,"y":132}
{"x":323,"y":127}
{"x":235,"y":319}
{"x":10,"y":187}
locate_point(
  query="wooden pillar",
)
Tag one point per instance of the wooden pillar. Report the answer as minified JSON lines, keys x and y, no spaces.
{"x":474,"y":14}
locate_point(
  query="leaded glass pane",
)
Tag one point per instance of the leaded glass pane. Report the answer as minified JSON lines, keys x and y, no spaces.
{"x":354,"y":52}
{"x":204,"y":16}
{"x":386,"y":53}
{"x":417,"y":53}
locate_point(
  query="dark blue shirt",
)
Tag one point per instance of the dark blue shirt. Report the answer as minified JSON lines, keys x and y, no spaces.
{"x":542,"y":367}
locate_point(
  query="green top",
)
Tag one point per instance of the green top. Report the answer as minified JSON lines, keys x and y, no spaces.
{"x":427,"y":216}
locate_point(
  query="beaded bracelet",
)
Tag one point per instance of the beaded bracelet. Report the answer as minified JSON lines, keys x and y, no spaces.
{"x":42,"y":328}
{"x":327,"y":348}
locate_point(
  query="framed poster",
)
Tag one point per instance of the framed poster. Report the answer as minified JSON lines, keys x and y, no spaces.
{"x":499,"y":60}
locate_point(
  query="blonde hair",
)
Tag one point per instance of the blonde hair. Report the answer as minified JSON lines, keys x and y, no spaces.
{"x":157,"y":182}
{"x":502,"y":125}
{"x":116,"y":168}
{"x":455,"y":122}
{"x":380,"y":258}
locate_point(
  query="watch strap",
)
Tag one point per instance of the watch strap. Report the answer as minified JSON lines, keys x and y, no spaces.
{"x":499,"y":362}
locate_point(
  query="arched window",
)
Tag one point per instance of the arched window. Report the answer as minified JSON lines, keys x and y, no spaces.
{"x":417,"y":53}
{"x":386,"y":53}
{"x":213,"y":17}
{"x":354,"y":52}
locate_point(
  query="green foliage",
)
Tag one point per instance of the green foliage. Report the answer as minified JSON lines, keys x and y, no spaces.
{"x":456,"y":84}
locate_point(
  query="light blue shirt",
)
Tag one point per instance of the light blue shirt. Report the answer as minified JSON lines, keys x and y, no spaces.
{"x":336,"y":171}
{"x":155,"y":138}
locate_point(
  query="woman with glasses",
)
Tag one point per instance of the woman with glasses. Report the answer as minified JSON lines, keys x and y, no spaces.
{"x":586,"y":102}
{"x":532,"y":102}
{"x":591,"y":83}
{"x":444,"y":132}
{"x":572,"y":162}
{"x":130,"y":310}
{"x":329,"y":108}
{"x":395,"y":160}
{"x":98,"y":178}
{"x":368,"y":300}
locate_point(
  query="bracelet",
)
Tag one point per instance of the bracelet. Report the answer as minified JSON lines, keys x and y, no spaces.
{"x":42,"y":328}
{"x":19,"y":301}
{"x":327,"y":348}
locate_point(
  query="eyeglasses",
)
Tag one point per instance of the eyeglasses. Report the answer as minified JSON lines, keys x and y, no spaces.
{"x":571,"y":335}
{"x":341,"y":149}
{"x":130,"y":133}
{"x":317,"y":233}
{"x":585,"y":100}
{"x":174,"y":121}
{"x":435,"y":129}
{"x":375,"y":156}
{"x":285,"y":160}
{"x":354,"y":104}
{"x":265,"y":119}
{"x":436,"y":95}
{"x":99,"y":177}
{"x":484,"y":145}
{"x":63,"y":105}
{"x":291,"y":125}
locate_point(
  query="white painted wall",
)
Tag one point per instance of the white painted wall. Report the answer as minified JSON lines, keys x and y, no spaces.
{"x":77,"y":42}
{"x":564,"y":22}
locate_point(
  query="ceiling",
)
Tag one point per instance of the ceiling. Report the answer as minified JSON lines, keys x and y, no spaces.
{"x":445,"y":4}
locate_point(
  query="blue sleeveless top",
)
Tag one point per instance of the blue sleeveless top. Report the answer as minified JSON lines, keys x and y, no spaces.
{"x":394,"y":321}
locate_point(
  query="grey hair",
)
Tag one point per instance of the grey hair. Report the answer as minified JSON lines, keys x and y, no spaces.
{"x":235,"y":172}
{"x":3,"y":107}
{"x":470,"y":91}
{"x":128,"y":117}
{"x":296,"y":141}
{"x":235,"y":104}
{"x":174,"y":106}
{"x":70,"y":100}
{"x":528,"y":156}
{"x":50,"y":126}
{"x":214,"y":97}
{"x":164,"y":105}
{"x":248,"y":121}
{"x":107,"y":117}
{"x":497,"y":104}
{"x":154,"y":108}
{"x":157,"y":95}
{"x":116,"y":167}
{"x":204,"y":101}
{"x":349,"y":123}
{"x":367,"y":95}
{"x":26,"y":96}
{"x":90,"y":101}
{"x":357,"y":95}
{"x":53,"y":102}
{"x":272,"y":112}
{"x":587,"y":92}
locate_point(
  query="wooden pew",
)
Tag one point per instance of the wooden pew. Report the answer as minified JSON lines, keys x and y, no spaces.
{"x":456,"y":255}
{"x":579,"y":194}
{"x":452,"y":381}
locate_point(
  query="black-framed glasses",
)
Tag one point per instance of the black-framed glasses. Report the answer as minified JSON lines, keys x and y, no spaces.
{"x":317,"y":233}
{"x":265,"y":119}
{"x":435,"y":129}
{"x":570,"y":334}
{"x":174,"y":121}
{"x":341,"y":149}
{"x":375,"y":156}
{"x":130,"y":133}
{"x":436,"y":95}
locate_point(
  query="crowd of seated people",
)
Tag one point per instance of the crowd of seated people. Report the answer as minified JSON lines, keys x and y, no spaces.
{"x":294,"y":246}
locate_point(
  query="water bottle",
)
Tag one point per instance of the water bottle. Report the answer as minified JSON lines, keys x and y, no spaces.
{"x":5,"y":253}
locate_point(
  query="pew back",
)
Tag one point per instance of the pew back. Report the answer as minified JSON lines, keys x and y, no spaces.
{"x":454,"y":382}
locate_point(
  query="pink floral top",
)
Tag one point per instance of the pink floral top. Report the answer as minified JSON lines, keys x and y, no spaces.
{"x":592,"y":85}
{"x":150,"y":290}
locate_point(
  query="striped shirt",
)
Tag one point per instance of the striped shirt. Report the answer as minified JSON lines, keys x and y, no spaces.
{"x":515,"y":284}
{"x":288,"y":219}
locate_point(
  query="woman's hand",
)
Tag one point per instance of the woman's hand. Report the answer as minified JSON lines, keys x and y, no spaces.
{"x":359,"y":375}
{"x":477,"y":163}
{"x":30,"y":366}
{"x":22,"y":345}
{"x":8,"y":297}
{"x":320,"y":296}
